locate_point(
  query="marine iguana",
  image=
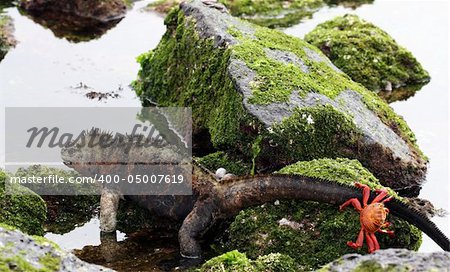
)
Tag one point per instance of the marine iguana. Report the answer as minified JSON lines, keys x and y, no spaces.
{"x":212,"y":200}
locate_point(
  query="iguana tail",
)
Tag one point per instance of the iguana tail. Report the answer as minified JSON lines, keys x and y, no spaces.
{"x":230,"y":197}
{"x":256,"y":190}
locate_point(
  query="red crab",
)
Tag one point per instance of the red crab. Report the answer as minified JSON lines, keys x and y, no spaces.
{"x":372,"y":217}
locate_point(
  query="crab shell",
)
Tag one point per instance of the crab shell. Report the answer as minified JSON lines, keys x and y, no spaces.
{"x":373,"y":217}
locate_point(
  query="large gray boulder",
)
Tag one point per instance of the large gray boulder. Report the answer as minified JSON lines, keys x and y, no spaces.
{"x":391,"y":260}
{"x":273,"y":98}
{"x":20,"y":252}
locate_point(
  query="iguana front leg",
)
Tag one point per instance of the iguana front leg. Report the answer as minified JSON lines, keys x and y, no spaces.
{"x":109,"y":204}
{"x":199,"y":220}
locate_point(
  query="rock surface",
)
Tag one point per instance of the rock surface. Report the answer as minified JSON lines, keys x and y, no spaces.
{"x":100,"y":10}
{"x":7,"y":39}
{"x":368,"y":54}
{"x":269,"y":95}
{"x":20,"y":252}
{"x":269,"y":13}
{"x":391,"y":260}
{"x":77,"y":20}
{"x":307,"y":231}
{"x":21,"y":208}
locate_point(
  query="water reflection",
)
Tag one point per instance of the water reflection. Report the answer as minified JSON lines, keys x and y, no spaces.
{"x":71,"y":27}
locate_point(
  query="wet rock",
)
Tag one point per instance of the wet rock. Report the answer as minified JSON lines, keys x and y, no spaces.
{"x":270,"y":13}
{"x":353,"y":4}
{"x":99,"y":10}
{"x":307,"y":231}
{"x":273,"y":98}
{"x":368,"y":54}
{"x":391,"y":260}
{"x":20,"y":252}
{"x":21,"y":207}
{"x":76,"y":21}
{"x":65,"y":211}
{"x":7,"y":39}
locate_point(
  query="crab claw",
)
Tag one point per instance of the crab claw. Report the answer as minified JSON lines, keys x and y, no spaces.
{"x":353,"y":245}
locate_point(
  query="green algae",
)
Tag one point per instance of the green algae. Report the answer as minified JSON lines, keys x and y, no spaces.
{"x":21,"y":208}
{"x":220,"y":159}
{"x":366,"y":53}
{"x":340,"y":170}
{"x":236,"y":261}
{"x":48,"y":262}
{"x":64,"y":212}
{"x":324,"y":132}
{"x":312,"y":239}
{"x":276,"y":81}
{"x":216,"y":106}
{"x":273,"y":13}
{"x":269,"y":13}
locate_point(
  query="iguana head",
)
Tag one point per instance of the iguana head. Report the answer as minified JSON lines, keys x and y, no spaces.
{"x":92,"y":150}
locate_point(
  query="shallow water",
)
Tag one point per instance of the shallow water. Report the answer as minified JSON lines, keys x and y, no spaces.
{"x":44,"y":70}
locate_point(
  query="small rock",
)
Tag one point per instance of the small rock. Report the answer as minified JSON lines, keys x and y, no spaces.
{"x":220,"y":173}
{"x":228,"y":176}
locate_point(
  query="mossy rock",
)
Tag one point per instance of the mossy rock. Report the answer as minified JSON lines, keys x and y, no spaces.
{"x":273,"y":99}
{"x":20,"y":252}
{"x":6,"y":35}
{"x":236,"y":261}
{"x":221,"y":159}
{"x":65,"y":212}
{"x":353,"y":4}
{"x":391,"y":260}
{"x":312,"y":233}
{"x":21,"y":208}
{"x":368,"y":54}
{"x":269,"y":13}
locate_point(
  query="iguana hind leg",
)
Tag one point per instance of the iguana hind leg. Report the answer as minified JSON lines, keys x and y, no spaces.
{"x":199,"y":220}
{"x":109,"y":204}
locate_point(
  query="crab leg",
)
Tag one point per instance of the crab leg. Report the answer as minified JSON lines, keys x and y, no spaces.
{"x":366,"y":192}
{"x":374,"y":240}
{"x":359,"y":241}
{"x":388,"y":232}
{"x":370,"y":243}
{"x":355,"y":203}
{"x":381,"y":194}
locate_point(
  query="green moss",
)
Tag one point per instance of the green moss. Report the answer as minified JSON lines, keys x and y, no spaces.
{"x":324,"y":132}
{"x":64,"y":212}
{"x":219,"y":159}
{"x":339,"y":170}
{"x":276,"y":81}
{"x":276,"y":262}
{"x":50,"y":262}
{"x":4,"y":35}
{"x":313,"y":242}
{"x":18,"y":262}
{"x":230,"y":261}
{"x":367,"y":53}
{"x":185,"y":70}
{"x":273,"y":13}
{"x":21,"y":208}
{"x":269,"y":13}
{"x":236,"y":261}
